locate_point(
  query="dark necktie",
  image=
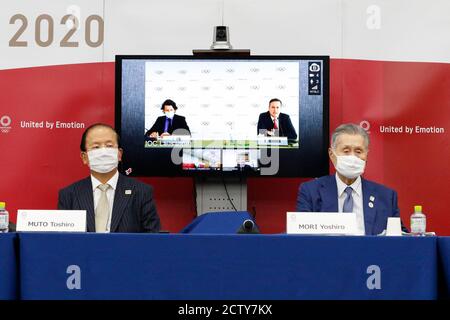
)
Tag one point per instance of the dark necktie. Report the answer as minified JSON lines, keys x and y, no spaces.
{"x":348,"y":202}
{"x":275,"y":126}
{"x":167,"y":125}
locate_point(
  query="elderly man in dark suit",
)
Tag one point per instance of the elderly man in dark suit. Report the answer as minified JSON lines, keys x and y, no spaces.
{"x":273,"y":121}
{"x":347,"y":191}
{"x":113,"y":202}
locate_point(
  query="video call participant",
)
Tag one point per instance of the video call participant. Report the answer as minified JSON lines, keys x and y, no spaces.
{"x":346,"y":191}
{"x":113,"y":202}
{"x":167,"y":124}
{"x":273,"y":120}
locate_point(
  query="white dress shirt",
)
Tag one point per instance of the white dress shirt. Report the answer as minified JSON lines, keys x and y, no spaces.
{"x":109,"y":194}
{"x":357,"y":201}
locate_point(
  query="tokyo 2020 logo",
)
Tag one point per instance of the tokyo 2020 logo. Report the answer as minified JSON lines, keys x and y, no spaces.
{"x":5,"y":124}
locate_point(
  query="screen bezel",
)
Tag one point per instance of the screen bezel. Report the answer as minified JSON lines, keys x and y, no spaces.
{"x":322,"y":162}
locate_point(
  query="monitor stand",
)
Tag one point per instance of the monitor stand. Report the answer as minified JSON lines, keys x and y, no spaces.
{"x":211,"y":195}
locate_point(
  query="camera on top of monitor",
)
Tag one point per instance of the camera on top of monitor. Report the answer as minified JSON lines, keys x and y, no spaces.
{"x":221,"y":38}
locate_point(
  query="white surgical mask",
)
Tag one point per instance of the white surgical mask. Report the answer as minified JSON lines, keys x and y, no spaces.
{"x":350,"y":166}
{"x":170,"y":114}
{"x":103,"y":160}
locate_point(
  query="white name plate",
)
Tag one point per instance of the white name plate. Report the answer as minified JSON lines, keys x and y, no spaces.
{"x":273,"y":141}
{"x":321,"y":223}
{"x":174,"y":139}
{"x":51,"y":220}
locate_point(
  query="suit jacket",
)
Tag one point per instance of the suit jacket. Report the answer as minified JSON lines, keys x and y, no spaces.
{"x":285,"y":127}
{"x":320,"y":195}
{"x":132,"y":212}
{"x":178,"y":122}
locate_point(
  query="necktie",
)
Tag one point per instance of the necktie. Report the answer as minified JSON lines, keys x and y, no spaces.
{"x":167,"y":124}
{"x":348,"y":202}
{"x":275,"y":126}
{"x":102,"y":210}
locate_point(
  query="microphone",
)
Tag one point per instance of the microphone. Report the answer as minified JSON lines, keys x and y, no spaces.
{"x":248,"y":226}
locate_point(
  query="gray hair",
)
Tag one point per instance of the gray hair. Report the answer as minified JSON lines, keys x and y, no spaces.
{"x":349,"y":128}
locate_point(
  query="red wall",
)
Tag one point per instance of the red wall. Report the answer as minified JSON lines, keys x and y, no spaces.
{"x":35,"y":163}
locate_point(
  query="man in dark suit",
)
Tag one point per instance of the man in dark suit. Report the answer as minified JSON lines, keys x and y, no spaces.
{"x":113,"y":202}
{"x":346,"y":191}
{"x":273,"y":121}
{"x":170,"y":122}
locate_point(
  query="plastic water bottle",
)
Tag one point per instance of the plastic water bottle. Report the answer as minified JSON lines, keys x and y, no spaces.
{"x":418,"y":222}
{"x":4,"y":218}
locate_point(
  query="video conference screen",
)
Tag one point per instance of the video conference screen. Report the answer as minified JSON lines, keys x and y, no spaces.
{"x":252,"y":116}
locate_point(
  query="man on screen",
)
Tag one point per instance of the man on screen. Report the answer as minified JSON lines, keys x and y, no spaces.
{"x":169,"y":122}
{"x":346,"y":191}
{"x":113,"y":202}
{"x":273,"y":121}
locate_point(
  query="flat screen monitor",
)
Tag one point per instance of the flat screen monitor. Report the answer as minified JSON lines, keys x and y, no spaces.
{"x":251,"y":116}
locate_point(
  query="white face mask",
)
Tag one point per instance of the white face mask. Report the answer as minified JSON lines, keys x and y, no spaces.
{"x":349,"y":166}
{"x":170,"y":114}
{"x":103,"y":160}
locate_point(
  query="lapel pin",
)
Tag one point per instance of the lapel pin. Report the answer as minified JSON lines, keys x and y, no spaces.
{"x":372,"y":198}
{"x":370,"y":204}
{"x":127,"y":191}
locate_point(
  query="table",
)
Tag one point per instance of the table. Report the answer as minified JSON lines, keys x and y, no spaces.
{"x":202,"y":266}
{"x":8,"y":267}
{"x":444,"y":266}
{"x":227,"y":222}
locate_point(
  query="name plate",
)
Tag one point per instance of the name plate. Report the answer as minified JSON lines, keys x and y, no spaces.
{"x":321,"y":223}
{"x":273,"y":141}
{"x":174,"y":139}
{"x":51,"y":220}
